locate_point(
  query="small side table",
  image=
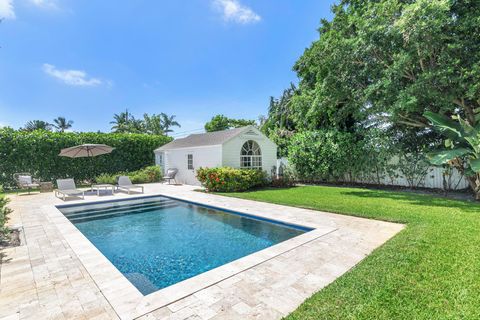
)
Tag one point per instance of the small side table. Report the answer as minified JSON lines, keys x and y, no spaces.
{"x":104,"y":186}
{"x":46,"y":186}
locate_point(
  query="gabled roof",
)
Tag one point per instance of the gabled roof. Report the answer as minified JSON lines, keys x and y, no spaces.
{"x":204,"y":139}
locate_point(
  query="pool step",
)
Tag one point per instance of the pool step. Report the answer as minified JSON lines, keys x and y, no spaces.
{"x":97,"y":216}
{"x":110,"y":206}
{"x":121,"y":210}
{"x":118,"y":207}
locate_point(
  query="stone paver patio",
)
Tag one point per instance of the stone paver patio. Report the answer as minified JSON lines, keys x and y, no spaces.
{"x":58,"y":274}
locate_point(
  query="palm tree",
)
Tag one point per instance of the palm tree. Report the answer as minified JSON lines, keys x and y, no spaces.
{"x":121,"y":121}
{"x":37,"y":125}
{"x":61,"y":124}
{"x":168,"y":122}
{"x":153,"y":124}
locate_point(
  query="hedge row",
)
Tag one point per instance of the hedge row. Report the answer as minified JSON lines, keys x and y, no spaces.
{"x":37,"y":153}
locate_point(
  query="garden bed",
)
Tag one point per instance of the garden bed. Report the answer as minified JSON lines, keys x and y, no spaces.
{"x":13,"y":239}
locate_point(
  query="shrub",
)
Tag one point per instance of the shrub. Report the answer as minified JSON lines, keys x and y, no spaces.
{"x":226,"y":179}
{"x":153,"y":173}
{"x":285,"y":180}
{"x":146,"y":175}
{"x":4,"y":212}
{"x":106,"y":178}
{"x":324,"y":154}
{"x":37,"y":152}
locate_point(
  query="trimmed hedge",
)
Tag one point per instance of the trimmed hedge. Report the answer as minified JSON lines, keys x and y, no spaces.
{"x":146,"y":175}
{"x":37,"y":153}
{"x":226,"y":179}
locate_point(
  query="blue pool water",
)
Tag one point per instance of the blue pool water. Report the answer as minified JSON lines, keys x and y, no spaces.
{"x":157,"y":242}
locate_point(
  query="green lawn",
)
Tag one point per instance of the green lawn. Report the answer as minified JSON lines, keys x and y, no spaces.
{"x":431,"y":270}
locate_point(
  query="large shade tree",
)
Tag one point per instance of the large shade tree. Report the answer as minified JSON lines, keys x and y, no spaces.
{"x":386,"y":64}
{"x":391,"y":60}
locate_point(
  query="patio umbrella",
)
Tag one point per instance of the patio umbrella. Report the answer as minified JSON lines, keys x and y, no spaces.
{"x":86,"y":150}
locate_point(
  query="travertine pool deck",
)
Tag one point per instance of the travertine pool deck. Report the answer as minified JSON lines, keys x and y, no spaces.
{"x":58,"y":274}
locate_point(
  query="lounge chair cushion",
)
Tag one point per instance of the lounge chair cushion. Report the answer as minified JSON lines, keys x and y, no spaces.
{"x":25,"y":180}
{"x":171,"y":173}
{"x":66,"y":184}
{"x":124,"y":181}
{"x":70,"y":192}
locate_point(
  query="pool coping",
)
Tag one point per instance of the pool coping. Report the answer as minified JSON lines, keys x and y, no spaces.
{"x":126,"y":299}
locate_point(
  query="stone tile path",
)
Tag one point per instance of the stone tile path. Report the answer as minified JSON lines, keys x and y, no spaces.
{"x":45,"y":278}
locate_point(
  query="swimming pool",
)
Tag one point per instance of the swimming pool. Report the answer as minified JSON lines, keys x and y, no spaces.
{"x":158,"y":241}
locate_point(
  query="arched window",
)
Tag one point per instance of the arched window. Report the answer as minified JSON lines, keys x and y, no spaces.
{"x":251,"y":155}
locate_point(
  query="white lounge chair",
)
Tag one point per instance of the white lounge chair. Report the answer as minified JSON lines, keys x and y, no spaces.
{"x":25,"y":181}
{"x":67,"y":188}
{"x":125,"y":184}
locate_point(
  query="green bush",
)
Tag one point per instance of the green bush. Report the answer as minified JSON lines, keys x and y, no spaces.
{"x":4,"y":212}
{"x":146,"y":175}
{"x":106,"y":178}
{"x":153,"y":173}
{"x":37,"y":152}
{"x":227,"y":179}
{"x":285,"y":180}
{"x":324,"y":154}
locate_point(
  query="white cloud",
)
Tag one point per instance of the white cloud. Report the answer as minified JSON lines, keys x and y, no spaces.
{"x":72,"y":77}
{"x":7,"y":10}
{"x":233,"y":10}
{"x":46,"y":4}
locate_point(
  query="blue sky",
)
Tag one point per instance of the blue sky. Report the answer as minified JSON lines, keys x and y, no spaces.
{"x":87,"y":60}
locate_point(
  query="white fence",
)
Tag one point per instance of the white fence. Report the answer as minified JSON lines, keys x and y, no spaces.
{"x":433,"y":179}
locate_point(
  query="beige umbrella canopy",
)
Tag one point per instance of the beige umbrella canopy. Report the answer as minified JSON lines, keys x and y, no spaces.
{"x":86,"y":150}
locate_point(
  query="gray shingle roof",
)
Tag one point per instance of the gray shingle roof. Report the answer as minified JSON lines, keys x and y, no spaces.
{"x":203,"y":139}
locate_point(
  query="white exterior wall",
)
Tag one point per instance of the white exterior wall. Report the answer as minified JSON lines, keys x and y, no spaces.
{"x":205,"y":156}
{"x":233,"y":147}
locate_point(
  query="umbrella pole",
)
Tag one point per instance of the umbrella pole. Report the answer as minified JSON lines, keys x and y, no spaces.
{"x":92,"y":165}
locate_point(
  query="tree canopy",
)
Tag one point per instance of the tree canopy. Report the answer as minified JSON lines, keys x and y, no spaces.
{"x":33,"y":125}
{"x":158,"y":124}
{"x":221,"y":122}
{"x":391,"y":61}
{"x":381,"y":66}
{"x":62,"y":124}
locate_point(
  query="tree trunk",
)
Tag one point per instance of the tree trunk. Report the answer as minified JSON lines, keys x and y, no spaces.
{"x":474,"y":186}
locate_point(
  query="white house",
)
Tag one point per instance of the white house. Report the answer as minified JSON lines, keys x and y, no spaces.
{"x":245,"y":147}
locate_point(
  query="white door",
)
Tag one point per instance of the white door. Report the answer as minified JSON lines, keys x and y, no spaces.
{"x":190,"y":177}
